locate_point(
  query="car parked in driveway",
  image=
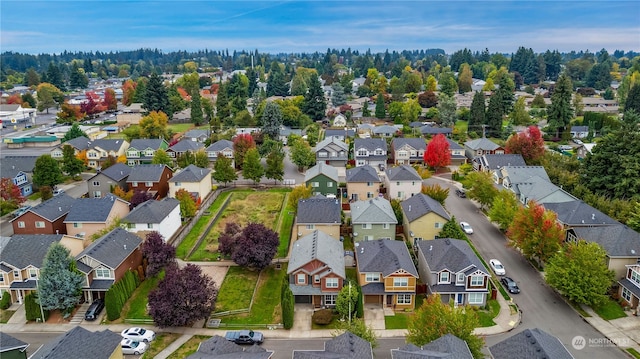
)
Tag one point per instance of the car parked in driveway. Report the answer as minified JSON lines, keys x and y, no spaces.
{"x":466,"y":227}
{"x":131,"y":347}
{"x":461,"y":193}
{"x":94,"y":310}
{"x":58,"y":192}
{"x":138,"y":334}
{"x":510,"y":285}
{"x":497,"y":267}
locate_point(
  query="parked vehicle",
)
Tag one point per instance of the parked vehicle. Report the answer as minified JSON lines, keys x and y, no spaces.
{"x":461,"y":193}
{"x":497,"y":267}
{"x":138,"y":334}
{"x":58,"y":191}
{"x":466,"y":227}
{"x":130,"y":347}
{"x":94,"y":310}
{"x":511,"y":285}
{"x":20,"y":211}
{"x":564,"y":148}
{"x":244,"y":337}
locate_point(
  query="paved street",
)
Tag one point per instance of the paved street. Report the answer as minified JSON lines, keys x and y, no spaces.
{"x":541,"y":307}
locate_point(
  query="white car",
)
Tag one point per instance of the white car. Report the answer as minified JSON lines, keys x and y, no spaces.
{"x":138,"y":334}
{"x":466,"y":227}
{"x":130,"y":347}
{"x":497,"y":267}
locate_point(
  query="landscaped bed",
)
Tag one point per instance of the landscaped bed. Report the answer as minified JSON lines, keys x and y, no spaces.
{"x":485,"y":317}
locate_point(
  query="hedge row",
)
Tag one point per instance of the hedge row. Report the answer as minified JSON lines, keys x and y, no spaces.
{"x":32,"y":308}
{"x":119,"y":293}
{"x":5,"y":302}
{"x":287,"y":303}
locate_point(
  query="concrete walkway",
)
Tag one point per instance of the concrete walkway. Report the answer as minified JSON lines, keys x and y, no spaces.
{"x":623,"y":332}
{"x":506,"y":320}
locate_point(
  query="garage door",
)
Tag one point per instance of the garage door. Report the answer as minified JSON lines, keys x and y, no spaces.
{"x":303,"y":299}
{"x":372,"y":299}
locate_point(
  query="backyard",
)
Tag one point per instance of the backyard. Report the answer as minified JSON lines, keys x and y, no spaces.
{"x":237,"y":289}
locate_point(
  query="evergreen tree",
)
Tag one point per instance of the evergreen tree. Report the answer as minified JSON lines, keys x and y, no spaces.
{"x":314,"y":104}
{"x":380,"y":110}
{"x":77,"y":78}
{"x":338,"y":96}
{"x":365,"y":109}
{"x":54,"y":77}
{"x":72,"y":165}
{"x":252,"y":168}
{"x":156,"y":98}
{"x":74,"y":132}
{"x":446,"y":110}
{"x":196,"y":109}
{"x":276,"y":84}
{"x":223,"y":108}
{"x":478,"y":112}
{"x":494,"y":116}
{"x":560,"y":112}
{"x":633,"y":99}
{"x":271,"y":120}
{"x":505,"y":94}
{"x":60,"y":285}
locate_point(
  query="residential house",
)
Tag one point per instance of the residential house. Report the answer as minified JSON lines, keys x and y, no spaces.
{"x":45,"y":218}
{"x":22,"y":258}
{"x":101,"y":150}
{"x":285,"y":132}
{"x":12,"y":348}
{"x":530,"y":343}
{"x":103,"y":344}
{"x":160,"y":216}
{"x":197,"y":135}
{"x":423,"y":217}
{"x":362,"y":183}
{"x":221,"y":147}
{"x":406,"y":151}
{"x":481,"y":146}
{"x":219,"y":347}
{"x":316,"y":269}
{"x":492,"y":163}
{"x":629,"y":289}
{"x":402,"y":182}
{"x":531,"y":183}
{"x":105,"y":181}
{"x":457,"y":153}
{"x":108,"y":259}
{"x":319,"y":213}
{"x":450,"y":268}
{"x":19,"y":170}
{"x":385,"y":131}
{"x":341,"y":134}
{"x":339,"y":121}
{"x":447,"y":346}
{"x":142,"y":150}
{"x":332,"y":151}
{"x":599,"y":104}
{"x":323,"y":179}
{"x":584,"y":149}
{"x":579,"y":131}
{"x":344,"y":346}
{"x":153,"y":179}
{"x":373,"y":219}
{"x":430,"y":130}
{"x":370,"y":151}
{"x":365,"y":130}
{"x":386,"y":273}
{"x":579,"y":214}
{"x":89,"y":216}
{"x":183,"y":146}
{"x":79,"y":144}
{"x":193,"y":179}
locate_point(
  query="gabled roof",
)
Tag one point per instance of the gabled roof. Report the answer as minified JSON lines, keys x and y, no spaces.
{"x":416,"y":143}
{"x":447,"y":346}
{"x":116,"y":172}
{"x":152,"y":211}
{"x":385,"y":129}
{"x":191,"y":173}
{"x":318,"y":245}
{"x":530,"y":344}
{"x":421,"y":204}
{"x":578,"y":213}
{"x":403,"y":173}
{"x":79,"y":143}
{"x":112,"y":248}
{"x":108,"y":144}
{"x":618,"y":240}
{"x":431,"y":130}
{"x":385,"y":256}
{"x":12,"y":165}
{"x":453,"y":145}
{"x":319,"y":210}
{"x":331,"y":132}
{"x":579,"y":128}
{"x":543,"y":191}
{"x":92,"y":210}
{"x":218,"y":347}
{"x":146,"y":173}
{"x":185,"y":145}
{"x":525,"y":174}
{"x":220,"y":145}
{"x":454,"y":255}
{"x":95,"y":345}
{"x":371,"y":144}
{"x":53,"y":208}
{"x":331,"y":140}
{"x":376,"y":210}
{"x":9,"y":343}
{"x":497,"y":161}
{"x":345,"y":346}
{"x":142,"y":144}
{"x":196,"y":133}
{"x":321,"y":168}
{"x":482,"y":144}
{"x":25,"y":250}
{"x":364,"y":173}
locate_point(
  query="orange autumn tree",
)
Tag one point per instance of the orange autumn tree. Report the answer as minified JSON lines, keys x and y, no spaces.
{"x":536,"y":232}
{"x":128,"y":90}
{"x":118,"y":191}
{"x":82,"y":156}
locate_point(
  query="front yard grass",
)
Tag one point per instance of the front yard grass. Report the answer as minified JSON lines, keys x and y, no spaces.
{"x":180,"y":127}
{"x":188,"y":348}
{"x":237,"y":289}
{"x":485,"y":317}
{"x":397,"y":321}
{"x":5,"y":315}
{"x":136,"y":307}
{"x":610,"y":310}
{"x":162,"y":341}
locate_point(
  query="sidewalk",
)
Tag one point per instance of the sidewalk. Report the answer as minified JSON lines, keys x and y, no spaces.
{"x":624,"y":332}
{"x":506,"y":320}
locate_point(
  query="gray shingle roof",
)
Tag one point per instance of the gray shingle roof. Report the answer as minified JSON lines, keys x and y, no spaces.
{"x":362,"y":174}
{"x":12,"y":165}
{"x":92,"y":210}
{"x":319,"y":210}
{"x":80,"y":143}
{"x":330,"y":139}
{"x":117,"y":172}
{"x":196,"y":133}
{"x":220,"y":146}
{"x":481,"y":144}
{"x":152,"y":211}
{"x":345,"y":346}
{"x":318,"y":245}
{"x":7,"y":343}
{"x":146,"y":173}
{"x":525,"y":174}
{"x":385,"y":129}
{"x":421,"y":204}
{"x":191,"y":173}
{"x":578,"y":213}
{"x":371,"y":144}
{"x":453,"y":145}
{"x":95,"y":345}
{"x":447,"y":346}
{"x":142,"y":144}
{"x":321,"y":168}
{"x":417,"y":143}
{"x":530,"y":344}
{"x":53,"y":208}
{"x":107,"y":144}
{"x":185,"y":145}
{"x":403,"y":173}
{"x":431,"y":130}
{"x":218,"y":347}
{"x":543,"y":191}
{"x":112,"y":248}
{"x":24,"y":250}
{"x":339,"y":132}
{"x":377,"y":210}
{"x":618,"y":240}
{"x":496,"y":161}
{"x":453,"y":254}
{"x":385,"y":256}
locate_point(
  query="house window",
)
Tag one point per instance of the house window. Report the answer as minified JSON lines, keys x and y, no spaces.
{"x":150,"y":225}
{"x":444,"y":277}
{"x":476,"y":298}
{"x":16,"y":275}
{"x":460,"y":278}
{"x":178,"y":184}
{"x":362,"y":152}
{"x":301,"y":278}
{"x":322,"y":154}
{"x":102,"y":272}
{"x":626,"y":294}
{"x":97,"y":194}
{"x":369,"y":194}
{"x":316,"y":279}
{"x":131,"y":225}
{"x":379,"y":152}
{"x":329,"y":184}
{"x":96,"y":183}
{"x":385,"y":226}
{"x":21,"y":224}
{"x":33,"y":273}
{"x":39,"y":224}
{"x":1,"y":278}
{"x":438,"y":225}
{"x":366,"y":226}
{"x":311,"y":226}
{"x":397,"y":183}
{"x":401,"y":282}
{"x":400,"y":194}
{"x":368,"y":238}
{"x":134,"y":184}
{"x":331,"y":282}
{"x":330,"y":299}
{"x":369,"y":184}
{"x":77,"y":225}
{"x":403,"y":299}
{"x":635,"y":276}
{"x":477,"y":280}
{"x":372,"y":277}
{"x":315,"y":184}
{"x":148,"y":184}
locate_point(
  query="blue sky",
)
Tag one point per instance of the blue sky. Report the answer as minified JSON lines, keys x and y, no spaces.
{"x":307,"y":26}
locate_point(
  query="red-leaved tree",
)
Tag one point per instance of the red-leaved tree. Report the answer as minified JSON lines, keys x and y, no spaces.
{"x":158,"y":253}
{"x":110,"y":101}
{"x":241,"y":144}
{"x":536,"y":232}
{"x":10,"y":192}
{"x":128,"y":91}
{"x":139,"y":197}
{"x":256,"y":246}
{"x":437,"y":154}
{"x":228,"y":239}
{"x":529,"y":144}
{"x":182,"y":297}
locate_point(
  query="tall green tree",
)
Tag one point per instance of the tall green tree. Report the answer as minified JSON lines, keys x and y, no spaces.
{"x":633,"y":99}
{"x":380,"y":110}
{"x":196,"y":109}
{"x":494,"y":116}
{"x":347,"y":300}
{"x":503,"y":209}
{"x":47,"y":172}
{"x":161,"y":157}
{"x":54,"y":76}
{"x":446,"y":110}
{"x":223,"y":171}
{"x":452,"y":229}
{"x":77,"y":79}
{"x":465,"y":78}
{"x":71,"y":164}
{"x":60,"y":284}
{"x":252,"y":168}
{"x":187,"y":204}
{"x":481,"y":187}
{"x":275,"y":165}
{"x":314,"y":104}
{"x":302,"y":155}
{"x":338,"y":96}
{"x":74,"y":132}
{"x":156,"y":98}
{"x":448,"y":83}
{"x":478,"y":112}
{"x":48,"y":96}
{"x":560,"y":113}
{"x":276,"y":84}
{"x":519,"y":116}
{"x":271,"y":120}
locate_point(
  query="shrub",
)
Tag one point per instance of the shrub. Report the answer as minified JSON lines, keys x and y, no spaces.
{"x":322,"y":317}
{"x":286,"y":301}
{"x":32,"y":308}
{"x":117,"y":295}
{"x":5,"y":302}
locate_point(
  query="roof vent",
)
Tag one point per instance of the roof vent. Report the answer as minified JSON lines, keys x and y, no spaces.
{"x":60,"y":209}
{"x":593,"y":216}
{"x":430,"y":247}
{"x":409,"y":208}
{"x":125,"y":247}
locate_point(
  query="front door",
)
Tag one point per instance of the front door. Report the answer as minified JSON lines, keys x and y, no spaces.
{"x":460,"y":299}
{"x":389,"y":300}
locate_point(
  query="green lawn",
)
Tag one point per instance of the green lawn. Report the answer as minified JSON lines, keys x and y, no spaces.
{"x":352,"y":274}
{"x":236,"y":289}
{"x":461,"y":126}
{"x":287,"y":218}
{"x":486,"y":316}
{"x":397,"y":321}
{"x":181,"y":127}
{"x":634,"y":353}
{"x":610,"y":310}
{"x":136,"y":308}
{"x":5,"y":315}
{"x":162,"y":341}
{"x":188,"y":348}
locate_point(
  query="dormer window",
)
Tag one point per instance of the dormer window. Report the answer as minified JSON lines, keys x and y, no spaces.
{"x":460,"y":279}
{"x":444,"y":277}
{"x":363,"y":152}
